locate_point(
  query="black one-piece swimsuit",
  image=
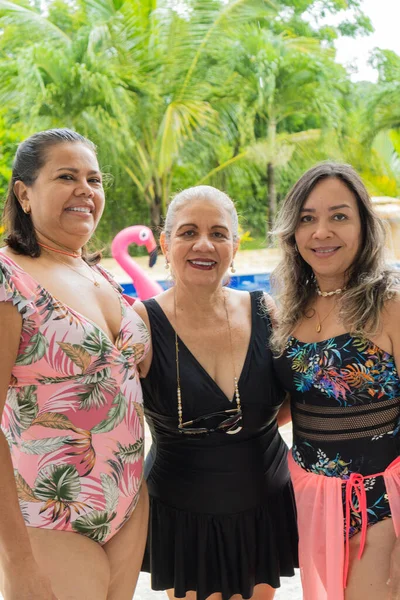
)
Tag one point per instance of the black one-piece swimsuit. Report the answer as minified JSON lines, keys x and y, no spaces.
{"x":345,"y":395}
{"x":222,"y":516}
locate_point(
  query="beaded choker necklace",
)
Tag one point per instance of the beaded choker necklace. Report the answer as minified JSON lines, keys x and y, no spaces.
{"x":333,"y":293}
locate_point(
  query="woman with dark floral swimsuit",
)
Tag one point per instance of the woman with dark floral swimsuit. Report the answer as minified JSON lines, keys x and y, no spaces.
{"x":338,"y":354}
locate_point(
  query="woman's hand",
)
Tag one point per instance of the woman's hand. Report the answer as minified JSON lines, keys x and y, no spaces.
{"x":26,"y":582}
{"x":394,"y":581}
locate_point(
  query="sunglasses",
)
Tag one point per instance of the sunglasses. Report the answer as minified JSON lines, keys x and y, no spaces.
{"x":230,"y":422}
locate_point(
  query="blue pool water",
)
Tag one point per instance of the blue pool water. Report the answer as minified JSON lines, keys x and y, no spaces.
{"x":248,"y":283}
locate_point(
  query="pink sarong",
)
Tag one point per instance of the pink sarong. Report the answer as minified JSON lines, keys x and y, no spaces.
{"x":323,"y":553}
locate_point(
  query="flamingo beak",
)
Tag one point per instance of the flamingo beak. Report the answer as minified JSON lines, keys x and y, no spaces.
{"x":153,"y":257}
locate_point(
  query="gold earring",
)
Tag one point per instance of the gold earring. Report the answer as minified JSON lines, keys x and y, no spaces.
{"x":27,"y":210}
{"x":233,"y":270}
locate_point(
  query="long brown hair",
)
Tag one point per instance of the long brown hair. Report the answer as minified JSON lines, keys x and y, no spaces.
{"x":369,"y":282}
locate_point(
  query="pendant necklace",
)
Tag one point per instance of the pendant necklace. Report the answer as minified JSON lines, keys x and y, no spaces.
{"x":318,"y":326}
{"x":92,"y":273}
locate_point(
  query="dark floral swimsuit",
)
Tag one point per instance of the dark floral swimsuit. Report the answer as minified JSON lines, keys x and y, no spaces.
{"x":346,"y":413}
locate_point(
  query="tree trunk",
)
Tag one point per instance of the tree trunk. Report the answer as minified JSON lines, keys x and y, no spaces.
{"x":155,"y":214}
{"x":271,"y":194}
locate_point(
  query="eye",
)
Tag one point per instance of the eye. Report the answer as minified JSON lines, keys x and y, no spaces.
{"x":306,"y":219}
{"x":219,"y":234}
{"x":95,"y":180}
{"x":66,"y":176}
{"x":189,"y":233}
{"x":340,"y":217}
{"x":144,"y":235}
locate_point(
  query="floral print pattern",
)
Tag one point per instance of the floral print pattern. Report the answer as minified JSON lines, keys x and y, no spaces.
{"x":350,"y":370}
{"x":73,"y":417}
{"x":335,"y":375}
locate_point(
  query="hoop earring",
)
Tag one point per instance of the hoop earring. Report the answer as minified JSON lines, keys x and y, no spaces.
{"x":233,"y":270}
{"x":296,"y":248}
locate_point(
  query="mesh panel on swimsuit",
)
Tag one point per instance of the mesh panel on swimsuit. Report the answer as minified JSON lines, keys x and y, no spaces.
{"x":346,"y":412}
{"x":345,"y":423}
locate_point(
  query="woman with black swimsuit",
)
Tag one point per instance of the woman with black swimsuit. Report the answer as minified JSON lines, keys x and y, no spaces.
{"x":222,"y":518}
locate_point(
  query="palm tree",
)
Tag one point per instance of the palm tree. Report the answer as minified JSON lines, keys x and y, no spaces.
{"x":129,"y":74}
{"x":383,"y":107}
{"x":284,"y":92}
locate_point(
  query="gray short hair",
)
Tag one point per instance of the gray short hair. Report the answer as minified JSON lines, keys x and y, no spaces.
{"x":200,"y":192}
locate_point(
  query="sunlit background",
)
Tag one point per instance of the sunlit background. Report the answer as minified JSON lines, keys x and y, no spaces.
{"x":241,"y":94}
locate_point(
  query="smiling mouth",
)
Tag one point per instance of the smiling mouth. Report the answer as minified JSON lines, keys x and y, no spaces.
{"x":79,"y":209}
{"x":325,"y":251}
{"x":203,"y":265}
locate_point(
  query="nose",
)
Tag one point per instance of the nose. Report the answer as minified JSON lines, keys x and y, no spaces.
{"x":83,"y":189}
{"x":322,"y":230}
{"x":203,"y":244}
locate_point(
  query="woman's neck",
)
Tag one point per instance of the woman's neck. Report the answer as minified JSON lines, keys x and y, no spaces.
{"x":330,"y":284}
{"x":199,"y":301}
{"x":52,"y":247}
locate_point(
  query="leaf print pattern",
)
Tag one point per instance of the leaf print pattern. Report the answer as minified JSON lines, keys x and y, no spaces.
{"x":77,"y":354}
{"x":35,"y":350}
{"x":95,"y":525}
{"x":73,"y":418}
{"x":44,"y":445}
{"x":114,"y":416}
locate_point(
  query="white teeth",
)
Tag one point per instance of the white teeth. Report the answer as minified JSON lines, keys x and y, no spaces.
{"x":202,"y":263}
{"x":79,"y":209}
{"x":325,"y":251}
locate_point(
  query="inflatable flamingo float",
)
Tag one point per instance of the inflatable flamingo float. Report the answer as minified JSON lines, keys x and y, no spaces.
{"x":142,"y":236}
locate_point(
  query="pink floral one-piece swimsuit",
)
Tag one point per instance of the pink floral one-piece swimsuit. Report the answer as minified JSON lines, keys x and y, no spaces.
{"x":73,"y":416}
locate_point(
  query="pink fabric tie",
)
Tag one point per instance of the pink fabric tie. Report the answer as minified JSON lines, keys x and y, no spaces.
{"x":355,"y":484}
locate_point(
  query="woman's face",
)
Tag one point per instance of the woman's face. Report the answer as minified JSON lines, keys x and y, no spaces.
{"x":66,"y":200}
{"x":201,"y":248}
{"x":328,"y":235}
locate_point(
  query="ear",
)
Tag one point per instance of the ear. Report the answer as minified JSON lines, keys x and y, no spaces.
{"x":21,"y":192}
{"x":236,"y":247}
{"x":163,"y":244}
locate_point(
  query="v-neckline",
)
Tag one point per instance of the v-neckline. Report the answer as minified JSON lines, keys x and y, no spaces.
{"x":72,"y":310}
{"x":198,"y":363}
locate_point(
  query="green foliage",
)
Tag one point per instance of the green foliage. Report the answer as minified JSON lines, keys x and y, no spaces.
{"x":243,"y":94}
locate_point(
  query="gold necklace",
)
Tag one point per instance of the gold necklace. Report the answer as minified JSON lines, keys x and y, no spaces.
{"x":178,"y":388}
{"x":92,"y":279}
{"x":318,"y":327}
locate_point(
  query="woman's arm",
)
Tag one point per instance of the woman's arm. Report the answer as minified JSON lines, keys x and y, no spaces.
{"x":392,"y":326}
{"x":21,"y":577}
{"x":284,"y":415}
{"x":144,"y":365}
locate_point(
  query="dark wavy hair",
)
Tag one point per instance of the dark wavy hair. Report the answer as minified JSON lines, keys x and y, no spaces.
{"x":30,"y":157}
{"x":369,"y":282}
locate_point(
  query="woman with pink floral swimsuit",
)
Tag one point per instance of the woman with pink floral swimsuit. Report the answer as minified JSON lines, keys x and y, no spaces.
{"x":70,"y":394}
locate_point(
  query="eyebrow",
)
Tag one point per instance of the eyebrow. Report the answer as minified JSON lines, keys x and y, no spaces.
{"x":196,"y":227}
{"x":74,"y":170}
{"x":331,"y":208}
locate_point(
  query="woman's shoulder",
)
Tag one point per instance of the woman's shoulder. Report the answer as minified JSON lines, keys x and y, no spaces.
{"x":15,"y":285}
{"x":391,"y":312}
